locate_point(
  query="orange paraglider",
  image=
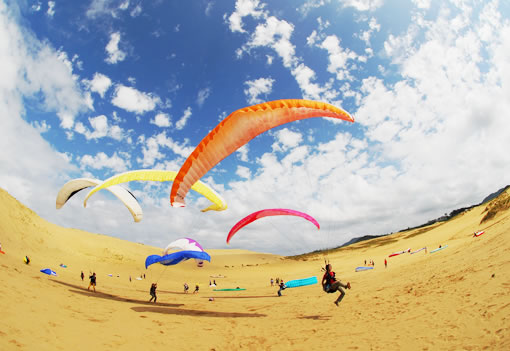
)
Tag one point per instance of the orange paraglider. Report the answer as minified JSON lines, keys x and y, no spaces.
{"x":240,"y":127}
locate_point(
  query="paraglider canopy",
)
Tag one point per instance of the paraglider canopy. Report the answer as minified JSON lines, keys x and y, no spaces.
{"x":184,"y":244}
{"x":176,"y":257}
{"x":237,"y":129}
{"x":48,"y":271}
{"x":265,"y":213}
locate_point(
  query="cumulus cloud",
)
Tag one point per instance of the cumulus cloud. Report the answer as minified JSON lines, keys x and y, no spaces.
{"x":152,"y":150}
{"x":257,"y":87}
{"x":363,"y":5}
{"x":244,"y":8}
{"x":132,"y":100}
{"x":286,"y":139}
{"x":99,"y":83}
{"x":114,"y":54}
{"x":100,"y":129}
{"x":243,"y":172}
{"x":103,"y":161}
{"x":242,"y":153}
{"x":161,"y":120}
{"x":276,"y":34}
{"x":181,"y":123}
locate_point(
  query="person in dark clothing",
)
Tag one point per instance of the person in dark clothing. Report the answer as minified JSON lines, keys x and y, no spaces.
{"x":153,"y":292}
{"x":92,"y":282}
{"x":331,"y":285}
{"x":82,"y":275}
{"x":282,"y":287}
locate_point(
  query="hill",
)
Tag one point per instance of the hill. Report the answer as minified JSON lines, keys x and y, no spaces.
{"x":453,"y":299}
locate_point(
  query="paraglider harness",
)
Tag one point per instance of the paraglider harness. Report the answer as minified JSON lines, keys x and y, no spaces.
{"x":329,"y":276}
{"x":330,"y":279}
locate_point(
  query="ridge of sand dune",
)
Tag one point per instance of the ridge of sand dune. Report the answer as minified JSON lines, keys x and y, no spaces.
{"x":454,"y":299}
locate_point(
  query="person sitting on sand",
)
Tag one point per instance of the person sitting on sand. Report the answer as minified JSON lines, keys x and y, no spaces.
{"x":331,"y":285}
{"x":92,"y":281}
{"x":282,"y":287}
{"x":153,"y":292}
{"x":196,"y":289}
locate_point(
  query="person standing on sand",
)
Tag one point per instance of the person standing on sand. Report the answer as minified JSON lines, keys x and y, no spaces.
{"x":272,"y":282}
{"x":385,"y":263}
{"x":92,"y":281}
{"x":282,"y":287}
{"x":82,"y":275}
{"x":186,"y":288}
{"x":154,"y":286}
{"x":196,"y":289}
{"x":331,"y":285}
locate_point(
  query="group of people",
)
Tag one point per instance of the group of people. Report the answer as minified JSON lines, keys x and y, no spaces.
{"x":370,"y":263}
{"x":329,"y":284}
{"x":278,"y":280}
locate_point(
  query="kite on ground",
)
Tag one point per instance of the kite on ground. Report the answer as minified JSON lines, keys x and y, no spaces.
{"x":48,"y":271}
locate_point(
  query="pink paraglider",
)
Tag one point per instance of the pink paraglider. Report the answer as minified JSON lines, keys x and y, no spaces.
{"x":266,"y":213}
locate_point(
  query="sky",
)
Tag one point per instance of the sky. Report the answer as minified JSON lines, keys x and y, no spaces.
{"x":95,"y":88}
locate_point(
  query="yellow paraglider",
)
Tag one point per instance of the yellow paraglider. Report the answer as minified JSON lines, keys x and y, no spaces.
{"x":219,"y":203}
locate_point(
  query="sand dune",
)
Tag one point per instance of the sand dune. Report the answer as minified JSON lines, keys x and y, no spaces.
{"x":455,"y":299}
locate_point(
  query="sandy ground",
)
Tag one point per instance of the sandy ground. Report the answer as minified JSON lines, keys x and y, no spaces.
{"x":454,"y":299}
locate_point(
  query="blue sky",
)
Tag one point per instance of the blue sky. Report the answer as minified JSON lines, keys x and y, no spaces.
{"x":95,"y":88}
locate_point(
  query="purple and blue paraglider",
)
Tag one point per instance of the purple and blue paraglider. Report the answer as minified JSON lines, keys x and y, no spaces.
{"x":177,"y":257}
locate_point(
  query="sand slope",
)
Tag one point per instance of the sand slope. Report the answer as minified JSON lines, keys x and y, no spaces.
{"x":454,"y":299}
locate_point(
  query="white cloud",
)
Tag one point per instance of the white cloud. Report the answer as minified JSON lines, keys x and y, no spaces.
{"x":310,"y":5}
{"x":286,"y":139}
{"x":133,"y":100}
{"x":257,"y":87}
{"x":99,"y":83}
{"x":423,"y":4}
{"x":363,"y":5}
{"x":202,"y":95}
{"x":51,"y":8}
{"x":103,"y":161}
{"x":136,"y":11}
{"x":41,"y":127}
{"x":243,"y":9}
{"x":181,"y":123}
{"x":338,"y":57}
{"x":367,"y":34}
{"x":36,"y":7}
{"x":161,"y":120}
{"x":208,"y":8}
{"x":242,"y":153}
{"x":151,"y":150}
{"x":101,"y":129}
{"x":115,"y":55}
{"x":36,"y":71}
{"x":124,"y":5}
{"x":243,"y":172}
{"x":276,"y":34}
